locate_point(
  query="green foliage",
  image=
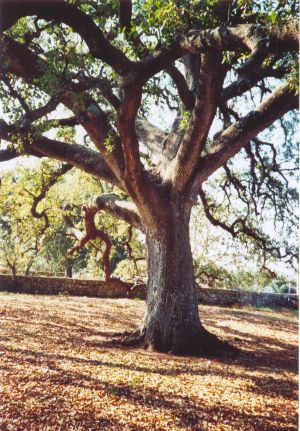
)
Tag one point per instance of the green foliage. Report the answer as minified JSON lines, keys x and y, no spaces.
{"x":214,"y":275}
{"x":109,"y":142}
{"x":164,"y":19}
{"x":26,"y":245}
{"x":20,"y":235}
{"x":229,"y":58}
{"x":282,"y":285}
{"x":186,"y":116}
{"x":127,"y":269}
{"x":67,"y":133}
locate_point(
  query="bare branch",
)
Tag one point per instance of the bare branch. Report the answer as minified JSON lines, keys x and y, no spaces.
{"x":125,"y":14}
{"x":240,"y":227}
{"x":185,"y":94}
{"x":8,"y":154}
{"x":122,"y":209}
{"x":126,"y":117}
{"x":237,"y":135}
{"x":248,"y":79}
{"x":64,"y":122}
{"x":15,"y":94}
{"x":5,"y":129}
{"x":91,"y":233}
{"x":211,"y":79}
{"x":43,"y":192}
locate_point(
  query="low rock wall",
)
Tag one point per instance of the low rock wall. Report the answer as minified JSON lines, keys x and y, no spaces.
{"x":226,"y":298}
{"x":69,"y":286}
{"x":115,"y":289}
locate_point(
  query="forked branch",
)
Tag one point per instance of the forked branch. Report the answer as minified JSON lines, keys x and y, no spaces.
{"x":91,"y":233}
{"x":237,"y":135}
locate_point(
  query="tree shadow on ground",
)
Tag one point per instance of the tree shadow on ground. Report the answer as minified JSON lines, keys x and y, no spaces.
{"x":261,"y":352}
{"x":260,"y":385}
{"x":185,"y":410}
{"x":67,"y":368}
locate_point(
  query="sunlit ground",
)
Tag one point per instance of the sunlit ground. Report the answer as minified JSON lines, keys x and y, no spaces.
{"x":59,"y":372}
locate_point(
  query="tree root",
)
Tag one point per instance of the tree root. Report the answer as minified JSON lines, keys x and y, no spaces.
{"x":129,"y":338}
{"x":203,"y":344}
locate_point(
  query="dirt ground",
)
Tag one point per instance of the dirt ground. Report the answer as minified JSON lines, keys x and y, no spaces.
{"x":58,"y":371}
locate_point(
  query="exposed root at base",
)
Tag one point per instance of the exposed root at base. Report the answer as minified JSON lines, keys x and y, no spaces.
{"x":129,"y":339}
{"x":204,"y":344}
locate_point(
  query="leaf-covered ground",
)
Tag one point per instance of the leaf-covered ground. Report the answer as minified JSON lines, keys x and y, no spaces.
{"x":58,"y":372}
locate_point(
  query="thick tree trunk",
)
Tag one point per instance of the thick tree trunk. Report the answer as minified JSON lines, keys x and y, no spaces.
{"x":172,"y":323}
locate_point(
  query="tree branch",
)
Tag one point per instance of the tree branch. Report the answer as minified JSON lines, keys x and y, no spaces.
{"x":185,"y":94}
{"x":31,"y":67}
{"x":81,"y":23}
{"x":151,"y":136}
{"x":91,"y":233}
{"x":97,"y":126}
{"x":125,"y":14}
{"x":239,"y":227}
{"x":81,"y":157}
{"x":126,"y":117}
{"x":211,"y":79}
{"x":15,"y":94}
{"x":122,"y":209}
{"x":8,"y":154}
{"x":247,"y":80}
{"x":242,"y":39}
{"x":44,"y":190}
{"x":237,"y":135}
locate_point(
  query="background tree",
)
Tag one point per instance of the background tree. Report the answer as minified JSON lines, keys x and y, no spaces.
{"x":33,"y":231}
{"x":105,"y":63}
{"x":22,"y":236}
{"x":226,"y":262}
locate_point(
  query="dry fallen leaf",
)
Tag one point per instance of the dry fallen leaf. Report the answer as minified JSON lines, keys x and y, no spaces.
{"x":58,"y":371}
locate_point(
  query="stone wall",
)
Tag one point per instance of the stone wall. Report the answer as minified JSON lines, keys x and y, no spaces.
{"x":116,"y":289}
{"x":226,"y":298}
{"x":71,"y":286}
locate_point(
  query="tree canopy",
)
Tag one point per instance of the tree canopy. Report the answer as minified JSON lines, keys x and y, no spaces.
{"x":89,"y":56}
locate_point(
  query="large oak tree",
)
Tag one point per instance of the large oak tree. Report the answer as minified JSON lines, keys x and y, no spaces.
{"x":101,"y":61}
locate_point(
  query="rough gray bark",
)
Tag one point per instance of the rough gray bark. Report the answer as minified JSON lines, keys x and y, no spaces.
{"x":171,"y":322}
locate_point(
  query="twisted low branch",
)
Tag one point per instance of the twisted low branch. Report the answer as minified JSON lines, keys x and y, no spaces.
{"x":44,"y":190}
{"x":91,"y":233}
